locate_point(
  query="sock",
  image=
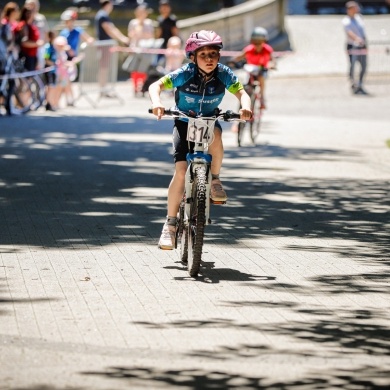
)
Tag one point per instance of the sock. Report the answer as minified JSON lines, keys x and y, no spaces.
{"x":171,"y":221}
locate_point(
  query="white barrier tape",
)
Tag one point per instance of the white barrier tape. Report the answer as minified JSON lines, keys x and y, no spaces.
{"x":224,"y":53}
{"x":26,"y":74}
{"x":373,"y":50}
{"x":358,"y":52}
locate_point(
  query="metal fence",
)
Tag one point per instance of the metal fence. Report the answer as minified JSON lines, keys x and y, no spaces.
{"x":98,"y":72}
{"x":378,"y":70}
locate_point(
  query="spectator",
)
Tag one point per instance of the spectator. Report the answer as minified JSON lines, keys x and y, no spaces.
{"x":27,"y":37}
{"x":51,"y":77}
{"x":63,"y":68}
{"x":8,"y":25}
{"x":41,"y":23}
{"x":106,"y":30}
{"x":174,"y":55}
{"x":166,"y":25}
{"x":356,"y":45}
{"x":141,"y":27}
{"x":9,"y":21}
{"x":73,"y":35}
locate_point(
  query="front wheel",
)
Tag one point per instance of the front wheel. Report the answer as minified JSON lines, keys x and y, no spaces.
{"x":197,"y":222}
{"x":255,"y":123}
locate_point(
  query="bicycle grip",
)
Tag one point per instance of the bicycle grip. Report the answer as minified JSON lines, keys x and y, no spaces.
{"x":167,"y":111}
{"x":231,"y":115}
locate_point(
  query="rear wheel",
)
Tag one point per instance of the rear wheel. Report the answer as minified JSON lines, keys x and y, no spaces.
{"x":197,"y":222}
{"x":21,"y":97}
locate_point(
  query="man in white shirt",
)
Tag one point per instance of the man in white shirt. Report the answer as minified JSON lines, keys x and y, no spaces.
{"x":356,"y":45}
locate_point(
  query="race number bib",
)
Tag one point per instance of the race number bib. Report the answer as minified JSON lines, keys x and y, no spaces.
{"x":200,"y":130}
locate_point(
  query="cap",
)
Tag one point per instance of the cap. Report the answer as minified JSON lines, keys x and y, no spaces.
{"x":350,"y":4}
{"x":163,"y":2}
{"x":69,"y":14}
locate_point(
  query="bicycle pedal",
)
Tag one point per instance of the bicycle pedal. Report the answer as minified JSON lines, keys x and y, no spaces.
{"x":217,"y":201}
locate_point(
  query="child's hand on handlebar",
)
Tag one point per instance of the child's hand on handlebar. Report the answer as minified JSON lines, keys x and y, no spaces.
{"x":245,"y":114}
{"x":158,"y":110}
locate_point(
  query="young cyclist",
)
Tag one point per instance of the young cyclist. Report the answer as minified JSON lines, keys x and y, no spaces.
{"x":200,"y":87}
{"x":258,"y":53}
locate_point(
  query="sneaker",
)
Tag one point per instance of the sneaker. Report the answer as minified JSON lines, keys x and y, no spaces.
{"x":361,"y":91}
{"x":217,"y":193}
{"x":167,"y":238}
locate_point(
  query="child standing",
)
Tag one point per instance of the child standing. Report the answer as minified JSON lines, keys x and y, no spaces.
{"x":63,"y":67}
{"x":50,"y":57}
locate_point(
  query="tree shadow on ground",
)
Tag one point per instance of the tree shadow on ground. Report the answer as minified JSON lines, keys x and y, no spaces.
{"x":10,"y":302}
{"x":87,"y":182}
{"x":364,"y":378}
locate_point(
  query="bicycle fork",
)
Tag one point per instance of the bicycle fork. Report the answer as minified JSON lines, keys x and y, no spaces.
{"x":190,"y":180}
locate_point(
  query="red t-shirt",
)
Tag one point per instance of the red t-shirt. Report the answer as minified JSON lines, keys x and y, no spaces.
{"x":262,"y":57}
{"x":33,"y":35}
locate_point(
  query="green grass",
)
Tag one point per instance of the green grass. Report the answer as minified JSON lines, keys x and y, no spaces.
{"x":388,"y":143}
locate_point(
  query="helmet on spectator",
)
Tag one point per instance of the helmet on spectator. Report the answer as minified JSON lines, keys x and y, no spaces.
{"x":259,"y":33}
{"x":200,"y":39}
{"x":61,"y":42}
{"x":69,"y":14}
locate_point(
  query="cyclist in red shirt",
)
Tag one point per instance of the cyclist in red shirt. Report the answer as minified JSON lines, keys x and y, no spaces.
{"x":258,"y":53}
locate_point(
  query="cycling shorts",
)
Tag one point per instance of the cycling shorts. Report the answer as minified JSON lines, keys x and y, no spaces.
{"x":180,"y":144}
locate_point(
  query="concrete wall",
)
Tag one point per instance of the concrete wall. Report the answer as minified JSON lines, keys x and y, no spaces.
{"x":235,"y":24}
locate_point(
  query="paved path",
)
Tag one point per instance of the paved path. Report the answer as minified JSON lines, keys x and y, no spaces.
{"x":294,"y":291}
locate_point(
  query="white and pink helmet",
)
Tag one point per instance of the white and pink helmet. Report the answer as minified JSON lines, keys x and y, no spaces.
{"x":200,"y":39}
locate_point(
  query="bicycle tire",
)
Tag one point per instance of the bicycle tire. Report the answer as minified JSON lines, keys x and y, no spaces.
{"x":240,"y":131}
{"x":181,"y":233}
{"x":21,"y":97}
{"x":38,"y":92}
{"x":197,"y":222}
{"x":255,"y":123}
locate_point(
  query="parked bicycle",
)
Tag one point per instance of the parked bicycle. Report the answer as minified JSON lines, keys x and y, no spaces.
{"x":20,"y":92}
{"x":194,"y":210}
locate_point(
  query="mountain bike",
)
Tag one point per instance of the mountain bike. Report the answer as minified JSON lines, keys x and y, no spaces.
{"x":194,"y":210}
{"x":252,"y":87}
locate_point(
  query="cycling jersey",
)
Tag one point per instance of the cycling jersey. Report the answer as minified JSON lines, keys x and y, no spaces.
{"x":193,"y":93}
{"x":255,"y":57}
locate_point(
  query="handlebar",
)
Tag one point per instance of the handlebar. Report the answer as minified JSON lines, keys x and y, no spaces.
{"x":225,"y":116}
